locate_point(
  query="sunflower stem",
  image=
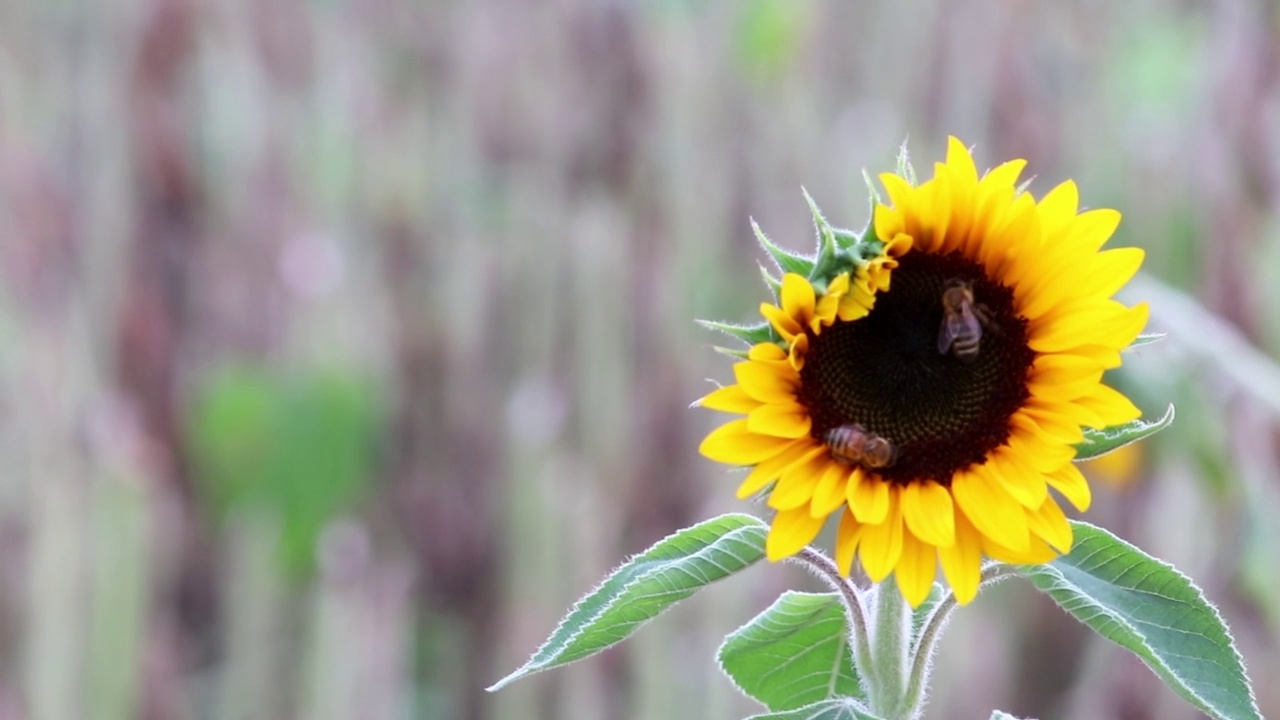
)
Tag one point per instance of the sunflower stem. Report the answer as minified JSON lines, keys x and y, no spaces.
{"x":887,"y":676}
{"x":826,"y":569}
{"x":922,"y":650}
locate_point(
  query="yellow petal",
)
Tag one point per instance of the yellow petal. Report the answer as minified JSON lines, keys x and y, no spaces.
{"x":888,"y":222}
{"x":829,"y":495}
{"x":769,"y":470}
{"x":729,"y":398}
{"x":734,"y":444}
{"x":1055,"y":368}
{"x":1110,"y":270}
{"x":916,"y":569}
{"x":1050,"y":524}
{"x":991,"y":510}
{"x":899,"y":190}
{"x":930,"y":516}
{"x":868,"y":497}
{"x":797,"y":298}
{"x":854,"y":306}
{"x":1058,"y":207}
{"x":960,"y":161}
{"x":1023,"y":483}
{"x":839,"y":285}
{"x":786,"y":325}
{"x":962,"y":561}
{"x":1071,"y":483}
{"x":790,"y":532}
{"x":1072,"y":412}
{"x":1038,"y":551}
{"x":1047,"y":427}
{"x":799,"y":348}
{"x":1004,"y":175}
{"x":767,"y":382}
{"x":881,"y":544}
{"x":767,"y":351}
{"x":795,"y":487}
{"x":847,"y":538}
{"x":1093,"y":228}
{"x":1112,"y":407}
{"x":784,"y":420}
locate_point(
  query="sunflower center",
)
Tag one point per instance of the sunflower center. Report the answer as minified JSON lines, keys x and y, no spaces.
{"x":942,"y":411}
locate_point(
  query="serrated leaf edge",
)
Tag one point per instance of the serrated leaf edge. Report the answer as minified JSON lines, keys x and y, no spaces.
{"x":851,"y":707}
{"x":1146,"y":430}
{"x":844,"y":639}
{"x":1163,"y":671}
{"x":751,"y":523}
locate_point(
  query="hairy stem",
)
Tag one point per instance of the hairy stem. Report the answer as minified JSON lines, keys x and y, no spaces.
{"x":890,"y":638}
{"x":825,"y":568}
{"x":922,"y":650}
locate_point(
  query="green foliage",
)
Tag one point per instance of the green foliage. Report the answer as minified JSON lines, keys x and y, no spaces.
{"x":768,"y":35}
{"x":648,"y":584}
{"x":787,"y":261}
{"x":749,"y":334}
{"x":1002,"y":715}
{"x":842,"y":709}
{"x":793,"y":654}
{"x":299,"y":448}
{"x":1146,"y":339}
{"x":1101,"y":442}
{"x":1149,"y":608}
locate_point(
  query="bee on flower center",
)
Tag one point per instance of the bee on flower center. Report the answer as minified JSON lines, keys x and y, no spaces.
{"x":962,"y":321}
{"x":855,"y":445}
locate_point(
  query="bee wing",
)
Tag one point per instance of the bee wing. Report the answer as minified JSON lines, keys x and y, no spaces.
{"x":951,"y":329}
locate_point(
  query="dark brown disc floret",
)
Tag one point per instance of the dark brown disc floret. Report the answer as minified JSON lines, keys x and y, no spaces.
{"x":885,"y":372}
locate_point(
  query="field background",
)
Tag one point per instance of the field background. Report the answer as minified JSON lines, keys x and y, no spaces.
{"x":344,"y":343}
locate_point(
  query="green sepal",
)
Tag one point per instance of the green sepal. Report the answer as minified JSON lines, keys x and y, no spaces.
{"x":749,"y":334}
{"x":838,"y":248}
{"x":872,"y":190}
{"x":1002,"y":715}
{"x":1101,"y":442}
{"x":774,"y":284}
{"x":1146,"y":339}
{"x":788,"y":262}
{"x":735,"y":353}
{"x":905,"y":170}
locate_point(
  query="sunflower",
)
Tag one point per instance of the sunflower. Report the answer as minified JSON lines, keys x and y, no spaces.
{"x":858,"y":350}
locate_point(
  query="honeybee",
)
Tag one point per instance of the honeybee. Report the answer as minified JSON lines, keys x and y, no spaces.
{"x":855,"y":445}
{"x":962,"y":321}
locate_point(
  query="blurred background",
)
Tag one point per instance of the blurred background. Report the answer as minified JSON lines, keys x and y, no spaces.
{"x":345,"y":343}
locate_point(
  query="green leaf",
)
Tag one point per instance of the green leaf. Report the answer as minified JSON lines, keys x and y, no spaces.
{"x":1101,"y":442}
{"x":1002,"y":715}
{"x":1148,"y":607}
{"x":749,"y":334}
{"x":842,"y":709}
{"x":646,"y":585}
{"x":1146,"y":339}
{"x":793,"y":654}
{"x":787,"y":261}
